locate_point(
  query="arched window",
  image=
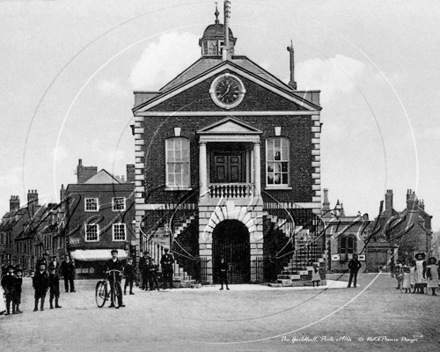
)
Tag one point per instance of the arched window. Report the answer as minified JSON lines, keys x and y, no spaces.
{"x":277,"y":162}
{"x":177,"y":163}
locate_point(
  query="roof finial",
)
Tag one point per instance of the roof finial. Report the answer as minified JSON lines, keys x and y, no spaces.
{"x":216,"y":13}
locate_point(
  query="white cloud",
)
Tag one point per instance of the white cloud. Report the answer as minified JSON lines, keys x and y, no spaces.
{"x":113,"y":88}
{"x":163,"y":60}
{"x":116,"y":155}
{"x":60,"y":153}
{"x":338,"y":75}
{"x":12,"y":179}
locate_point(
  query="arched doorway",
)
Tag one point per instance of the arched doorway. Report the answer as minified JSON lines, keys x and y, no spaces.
{"x":230,"y":239}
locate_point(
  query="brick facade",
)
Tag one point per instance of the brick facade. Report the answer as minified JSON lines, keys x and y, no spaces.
{"x":269,"y":214}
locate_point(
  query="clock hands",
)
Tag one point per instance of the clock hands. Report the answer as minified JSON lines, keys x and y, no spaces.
{"x":227,"y":90}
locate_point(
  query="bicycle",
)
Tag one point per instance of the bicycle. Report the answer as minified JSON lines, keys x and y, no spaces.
{"x":102,"y":294}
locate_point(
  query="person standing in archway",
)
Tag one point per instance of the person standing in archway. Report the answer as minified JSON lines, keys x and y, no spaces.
{"x":223,"y":273}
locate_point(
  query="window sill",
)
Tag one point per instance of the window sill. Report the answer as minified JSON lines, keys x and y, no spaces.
{"x":174,"y":189}
{"x":277,"y":188}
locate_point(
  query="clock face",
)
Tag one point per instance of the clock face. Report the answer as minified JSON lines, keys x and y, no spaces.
{"x":227,"y":91}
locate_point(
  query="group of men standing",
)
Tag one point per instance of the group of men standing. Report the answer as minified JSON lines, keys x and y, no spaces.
{"x":47,"y":277}
{"x":148,"y":269}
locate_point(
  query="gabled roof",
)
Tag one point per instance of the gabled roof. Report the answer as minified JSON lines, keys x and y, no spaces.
{"x":206,"y":63}
{"x":102,"y":177}
{"x":229,"y":125}
{"x":205,"y":68}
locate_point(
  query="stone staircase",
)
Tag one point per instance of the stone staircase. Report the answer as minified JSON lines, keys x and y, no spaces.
{"x":156,"y":246}
{"x":184,"y":225}
{"x":299,"y":270}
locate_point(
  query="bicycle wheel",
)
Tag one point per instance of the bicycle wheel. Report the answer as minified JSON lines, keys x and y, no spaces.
{"x":101,"y":293}
{"x":117,"y":294}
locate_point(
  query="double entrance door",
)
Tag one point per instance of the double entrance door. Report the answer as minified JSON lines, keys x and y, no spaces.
{"x":228,"y":167}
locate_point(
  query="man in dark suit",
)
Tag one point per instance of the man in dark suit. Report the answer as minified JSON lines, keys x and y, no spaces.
{"x":114,"y":264}
{"x":143,"y":269}
{"x":68,"y":271}
{"x":353,"y":265}
{"x":40,"y":283}
{"x":223,"y":273}
{"x":166,"y":262}
{"x":130,"y":274}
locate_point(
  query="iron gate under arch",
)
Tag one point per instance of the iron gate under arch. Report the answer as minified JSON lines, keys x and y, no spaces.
{"x":230,"y":239}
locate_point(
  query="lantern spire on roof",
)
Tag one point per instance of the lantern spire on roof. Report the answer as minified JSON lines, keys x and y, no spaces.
{"x":216,"y":13}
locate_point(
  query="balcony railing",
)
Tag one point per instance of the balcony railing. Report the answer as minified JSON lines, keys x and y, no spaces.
{"x":230,"y":190}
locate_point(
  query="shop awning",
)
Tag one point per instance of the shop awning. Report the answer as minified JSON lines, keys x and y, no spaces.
{"x":96,"y":254}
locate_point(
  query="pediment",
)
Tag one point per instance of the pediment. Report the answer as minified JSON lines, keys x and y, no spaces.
{"x":263,"y":91}
{"x":229,"y":125}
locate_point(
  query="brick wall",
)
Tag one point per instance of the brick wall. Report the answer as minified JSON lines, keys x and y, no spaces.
{"x":296,"y":128}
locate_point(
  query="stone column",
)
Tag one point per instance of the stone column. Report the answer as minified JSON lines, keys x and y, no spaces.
{"x":203,"y":175}
{"x":257,"y":165}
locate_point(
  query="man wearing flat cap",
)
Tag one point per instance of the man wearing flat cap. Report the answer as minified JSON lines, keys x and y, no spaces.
{"x":114,"y":264}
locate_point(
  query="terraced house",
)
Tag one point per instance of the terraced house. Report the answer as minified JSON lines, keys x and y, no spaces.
{"x":99,"y":216}
{"x":228,"y":164}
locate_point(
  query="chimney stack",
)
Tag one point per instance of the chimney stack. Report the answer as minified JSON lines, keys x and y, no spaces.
{"x":412,"y":202}
{"x":83,"y":173}
{"x":292,"y":82}
{"x":326,"y":204}
{"x":32,"y":200}
{"x":14,"y":203}
{"x":130,"y":173}
{"x":389,"y":200}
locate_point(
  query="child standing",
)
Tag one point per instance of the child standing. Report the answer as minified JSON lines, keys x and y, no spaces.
{"x":406,"y":286}
{"x":398,"y":272}
{"x":54,"y":287}
{"x":152,"y":268}
{"x":129,"y":274}
{"x":316,"y":278}
{"x":17,"y":294}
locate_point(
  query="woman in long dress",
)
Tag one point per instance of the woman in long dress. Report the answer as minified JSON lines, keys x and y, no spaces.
{"x":432,"y":275}
{"x":420,"y":273}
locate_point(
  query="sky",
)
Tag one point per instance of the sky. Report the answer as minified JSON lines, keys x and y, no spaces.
{"x":69,"y":69}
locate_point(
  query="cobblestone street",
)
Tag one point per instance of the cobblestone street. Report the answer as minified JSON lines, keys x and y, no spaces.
{"x":246,"y":318}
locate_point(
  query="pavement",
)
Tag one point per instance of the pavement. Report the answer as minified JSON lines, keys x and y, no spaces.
{"x":372,"y":317}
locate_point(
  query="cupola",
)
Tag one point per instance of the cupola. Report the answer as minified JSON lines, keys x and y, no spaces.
{"x":213,"y":39}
